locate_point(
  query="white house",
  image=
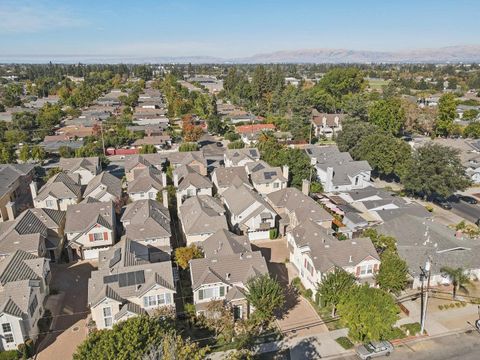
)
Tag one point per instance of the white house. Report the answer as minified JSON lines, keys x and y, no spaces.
{"x":241,"y":157}
{"x":86,"y":168}
{"x":146,"y":184}
{"x":104,"y":187}
{"x":58,"y":193}
{"x":267,"y":179}
{"x":190,"y":183}
{"x":315,"y":252}
{"x":89,"y":228}
{"x":127,"y":283}
{"x":24,"y":280}
{"x":327,"y":125}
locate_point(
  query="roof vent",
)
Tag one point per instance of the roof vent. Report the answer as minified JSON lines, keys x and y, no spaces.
{"x":354,"y":243}
{"x":350,"y":259}
{"x":227,"y":276}
{"x":327,"y":246}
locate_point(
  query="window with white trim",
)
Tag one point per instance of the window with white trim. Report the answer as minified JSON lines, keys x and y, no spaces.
{"x":7,"y":333}
{"x":213,"y":292}
{"x":366,"y":269}
{"x":49,"y":203}
{"x":107,"y":316}
{"x":151,"y":195}
{"x":157,"y":300}
{"x":98,"y":236}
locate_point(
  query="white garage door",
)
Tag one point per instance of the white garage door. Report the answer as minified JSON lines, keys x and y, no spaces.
{"x":259,"y":235}
{"x":92,"y":254}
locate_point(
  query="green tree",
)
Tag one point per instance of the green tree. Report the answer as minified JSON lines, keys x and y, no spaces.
{"x":148,"y":149}
{"x":458,"y":278}
{"x":183,"y":255}
{"x":237,"y":144}
{"x":216,"y":126}
{"x":25,"y":153}
{"x":265,"y":295}
{"x":342,"y":81}
{"x":188,"y":146}
{"x":334,"y":285}
{"x":393,"y":274}
{"x":435,"y":169}
{"x":381,"y":242}
{"x":447,"y":107}
{"x":52,"y":172}
{"x":352,"y":133}
{"x":7,"y":154}
{"x":472,"y":130}
{"x":386,"y":154}
{"x":66,"y":152}
{"x":38,"y":153}
{"x":388,"y":115}
{"x":369,"y":313}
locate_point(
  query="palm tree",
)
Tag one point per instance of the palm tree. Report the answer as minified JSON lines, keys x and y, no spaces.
{"x":457,"y":276}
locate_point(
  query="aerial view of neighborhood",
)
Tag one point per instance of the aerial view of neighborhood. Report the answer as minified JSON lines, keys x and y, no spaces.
{"x":189,"y":180}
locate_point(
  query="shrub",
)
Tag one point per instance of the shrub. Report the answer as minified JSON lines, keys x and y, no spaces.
{"x":440,"y":307}
{"x":429,"y":208}
{"x":452,"y":305}
{"x":45,"y":321}
{"x":273,"y":234}
{"x":412,"y":328}
{"x":344,"y":342}
{"x":395,"y":333}
{"x":308,"y":293}
{"x":9,"y":355}
{"x":458,"y":304}
{"x":463,"y":303}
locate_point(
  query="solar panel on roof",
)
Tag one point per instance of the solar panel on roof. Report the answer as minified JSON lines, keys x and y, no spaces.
{"x":252,"y":152}
{"x":268,"y":175}
{"x":117,"y":255}
{"x":131,"y":278}
{"x":110,"y":279}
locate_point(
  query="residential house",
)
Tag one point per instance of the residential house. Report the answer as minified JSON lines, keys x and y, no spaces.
{"x":249,"y":213}
{"x":104,"y":187}
{"x":241,"y":157}
{"x":190,"y":183}
{"x":133,"y":163}
{"x":60,"y":191}
{"x":200,"y":217}
{"x":336,"y":170}
{"x":127,"y":284}
{"x":148,"y":222}
{"x":265,"y":178}
{"x":224,"y":278}
{"x":90,"y":227}
{"x":249,"y":133}
{"x":224,"y":177}
{"x":420,"y":240}
{"x":87,"y":168}
{"x":223,"y":242}
{"x":24,"y":280}
{"x":15,"y":194}
{"x":294,"y":207}
{"x":327,"y":125}
{"x":146,"y":184}
{"x":158,"y":141}
{"x":195,"y":159}
{"x":36,"y":231}
{"x":314,"y":252}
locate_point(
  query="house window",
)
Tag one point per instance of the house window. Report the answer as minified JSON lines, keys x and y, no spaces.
{"x":107,"y":316}
{"x":98,"y":237}
{"x":49,"y":203}
{"x":7,"y":333}
{"x":142,"y":194}
{"x":33,"y":305}
{"x":191,"y":192}
{"x":212,"y":292}
{"x":157,"y":300}
{"x":366,"y":269}
{"x":151,"y":195}
{"x":276,"y":185}
{"x":356,"y":180}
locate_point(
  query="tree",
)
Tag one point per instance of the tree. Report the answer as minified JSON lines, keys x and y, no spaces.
{"x":219,"y":318}
{"x":341,"y":81}
{"x":191,"y":132}
{"x":52,"y":172}
{"x":381,"y":242}
{"x":237,"y":144}
{"x":265,"y":295}
{"x":388,"y":115}
{"x":393,"y":272}
{"x":137,"y":338}
{"x":333,"y":286}
{"x":188,"y":146}
{"x":215,"y":125}
{"x":352,"y":133}
{"x":25,"y":153}
{"x":447,"y":107}
{"x":66,"y":152}
{"x":38,"y":153}
{"x":148,"y":149}
{"x":368,"y":312}
{"x":458,"y":278}
{"x":435,"y":169}
{"x":472,"y":130}
{"x":7,"y":154}
{"x":386,"y":154}
{"x":183,"y":255}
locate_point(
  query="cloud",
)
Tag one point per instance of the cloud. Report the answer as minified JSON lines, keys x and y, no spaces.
{"x":31,"y":17}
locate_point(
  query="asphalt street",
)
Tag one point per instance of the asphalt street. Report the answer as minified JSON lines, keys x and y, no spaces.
{"x":467,"y":211}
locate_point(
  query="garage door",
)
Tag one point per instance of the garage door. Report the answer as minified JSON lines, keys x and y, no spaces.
{"x":259,"y":235}
{"x":92,"y":254}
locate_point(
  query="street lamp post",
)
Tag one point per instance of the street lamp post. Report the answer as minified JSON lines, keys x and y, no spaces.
{"x":425,"y":273}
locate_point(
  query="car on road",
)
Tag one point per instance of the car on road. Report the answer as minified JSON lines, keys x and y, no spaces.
{"x":468,"y":199}
{"x":374,"y":349}
{"x":443,"y":203}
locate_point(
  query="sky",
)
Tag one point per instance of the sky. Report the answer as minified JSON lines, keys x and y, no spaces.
{"x":230,"y":28}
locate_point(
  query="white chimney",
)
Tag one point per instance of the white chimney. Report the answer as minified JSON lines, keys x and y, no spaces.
{"x":329,"y":180}
{"x":285,"y":171}
{"x":350,"y":259}
{"x":313,"y":161}
{"x":165,"y":198}
{"x":33,"y":189}
{"x":10,"y":206}
{"x":305,"y":187}
{"x":164,"y":179}
{"x":175,"y":179}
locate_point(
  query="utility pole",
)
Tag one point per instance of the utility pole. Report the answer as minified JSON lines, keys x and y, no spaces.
{"x":103,"y":141}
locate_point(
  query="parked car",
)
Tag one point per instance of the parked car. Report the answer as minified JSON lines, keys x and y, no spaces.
{"x":468,"y":199}
{"x":442,"y":203}
{"x":374,"y":349}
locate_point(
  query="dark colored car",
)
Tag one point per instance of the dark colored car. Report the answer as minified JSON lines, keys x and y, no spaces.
{"x":442,"y":203}
{"x":468,"y":199}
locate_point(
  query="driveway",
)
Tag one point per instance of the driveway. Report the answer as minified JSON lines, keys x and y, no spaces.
{"x":298,"y":318}
{"x":69,"y":309}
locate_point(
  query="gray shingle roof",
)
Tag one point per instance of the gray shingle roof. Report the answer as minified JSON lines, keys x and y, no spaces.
{"x":10,"y":173}
{"x":146,"y":219}
{"x":235,"y":175}
{"x":146,"y":179}
{"x":107,"y":182}
{"x":81,"y":217}
{"x":73,"y":164}
{"x":237,"y":155}
{"x":60,"y":186}
{"x":240,"y":198}
{"x":223,"y":242}
{"x":267,"y":175}
{"x":202,"y":214}
{"x":188,"y":176}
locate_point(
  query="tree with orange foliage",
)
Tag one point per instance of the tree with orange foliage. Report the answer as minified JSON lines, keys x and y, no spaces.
{"x":191,"y":132}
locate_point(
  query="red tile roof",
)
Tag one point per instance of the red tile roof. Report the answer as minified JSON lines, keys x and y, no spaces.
{"x":247,"y":129}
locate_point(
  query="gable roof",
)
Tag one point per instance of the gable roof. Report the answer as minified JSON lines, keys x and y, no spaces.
{"x":189,"y":177}
{"x":202,"y":214}
{"x":60,"y":186}
{"x":107,"y":183}
{"x":223,"y":242}
{"x":235,"y":175}
{"x":10,"y":173}
{"x":267,"y":175}
{"x":155,"y":160}
{"x":145,"y":179}
{"x":146,"y":219}
{"x":82,"y":217}
{"x":239,"y":198}
{"x":72,"y":164}
{"x":237,"y":155}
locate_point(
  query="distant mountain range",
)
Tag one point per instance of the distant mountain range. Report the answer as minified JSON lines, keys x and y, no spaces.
{"x":452,"y":54}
